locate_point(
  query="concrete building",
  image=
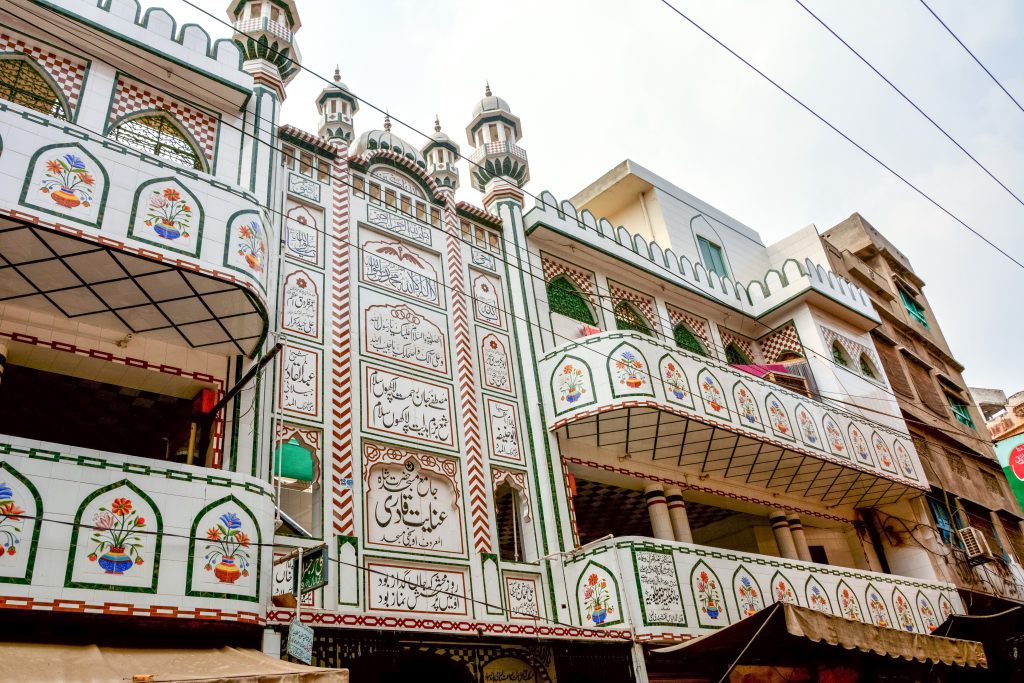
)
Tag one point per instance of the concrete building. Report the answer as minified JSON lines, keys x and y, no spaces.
{"x":948,"y":429}
{"x":527,"y":438}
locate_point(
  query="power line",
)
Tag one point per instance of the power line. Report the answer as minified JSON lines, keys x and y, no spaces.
{"x":975,"y":58}
{"x":910,"y":101}
{"x":839,"y":132}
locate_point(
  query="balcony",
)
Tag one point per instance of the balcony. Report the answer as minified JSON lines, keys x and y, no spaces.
{"x":667,"y":591}
{"x":628,"y":395}
{"x":274,"y":28}
{"x":97,"y":532}
{"x":102,"y":234}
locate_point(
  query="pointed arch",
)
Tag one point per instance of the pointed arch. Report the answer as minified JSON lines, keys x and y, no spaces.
{"x":878,"y":611}
{"x":160,"y":134}
{"x":629,"y":371}
{"x":747,"y":411}
{"x":627,"y":317}
{"x":708,"y":595}
{"x":253,"y":550}
{"x":686,"y":339}
{"x":12,"y":530}
{"x":778,"y":418}
{"x":904,"y":612}
{"x":734,"y":355}
{"x":782,"y":589}
{"x":816,"y":596}
{"x":849,"y":604}
{"x":926,"y":612}
{"x":24,"y":82}
{"x":565,"y":298}
{"x":867,"y":368}
{"x":839,"y":356}
{"x":749,"y":599}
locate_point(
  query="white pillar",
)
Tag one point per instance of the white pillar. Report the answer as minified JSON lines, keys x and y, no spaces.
{"x":783,"y":536}
{"x":657,"y":508}
{"x":803,"y":552}
{"x":677,"y":515}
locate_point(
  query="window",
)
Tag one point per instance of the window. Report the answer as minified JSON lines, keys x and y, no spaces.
{"x":334,"y":106}
{"x":960,"y":411}
{"x":287,"y":156}
{"x":492,"y":131}
{"x":358,"y":185}
{"x":564,"y":298}
{"x":735,"y":356}
{"x":275,"y":14}
{"x":926,"y":391}
{"x":942,"y":519}
{"x":866,"y":368}
{"x":435,"y":217}
{"x":374,"y":191}
{"x":818,"y":554}
{"x":158,"y":134}
{"x":390,"y":198}
{"x":421,"y":211}
{"x":839,"y":355}
{"x":406,"y":205}
{"x":915,"y":309}
{"x":306,"y":163}
{"x":323,"y":171}
{"x":24,"y":83}
{"x":256,"y":10}
{"x":712,"y":257}
{"x":686,"y":339}
{"x":509,"y":523}
{"x":628,"y":318}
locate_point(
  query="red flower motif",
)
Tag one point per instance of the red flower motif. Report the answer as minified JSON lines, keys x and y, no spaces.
{"x":242,"y":539}
{"x":87,"y":178}
{"x":53,"y":166}
{"x":172,"y":194}
{"x":141,"y":521}
{"x":9,"y":509}
{"x":301,"y":282}
{"x":121,"y":506}
{"x":592,"y":579}
{"x":213,"y":533}
{"x":92,"y":557}
{"x":244,"y":231}
{"x":138,"y":561}
{"x":11,"y":550}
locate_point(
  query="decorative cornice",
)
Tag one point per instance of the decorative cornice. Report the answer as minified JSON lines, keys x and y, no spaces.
{"x":308,"y":141}
{"x":363,"y":161}
{"x":467,"y":210}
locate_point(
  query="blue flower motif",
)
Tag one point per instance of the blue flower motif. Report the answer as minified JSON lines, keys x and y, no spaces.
{"x":5,"y":492}
{"x":745,"y":581}
{"x":74,"y":162}
{"x":230,"y":520}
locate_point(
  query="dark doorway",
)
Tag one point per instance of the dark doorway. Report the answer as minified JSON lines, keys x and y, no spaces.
{"x":407,"y":666}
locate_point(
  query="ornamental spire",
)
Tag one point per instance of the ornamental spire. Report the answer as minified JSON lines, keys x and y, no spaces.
{"x":387,"y":121}
{"x":437,"y":124}
{"x":487,"y":89}
{"x":337,"y":74}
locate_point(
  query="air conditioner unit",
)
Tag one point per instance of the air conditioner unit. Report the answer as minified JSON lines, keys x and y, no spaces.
{"x":975,"y":545}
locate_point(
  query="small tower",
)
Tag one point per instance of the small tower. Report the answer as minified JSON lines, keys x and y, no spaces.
{"x":441,"y":154}
{"x":265,"y":32}
{"x":494,"y":131}
{"x":337,"y":106}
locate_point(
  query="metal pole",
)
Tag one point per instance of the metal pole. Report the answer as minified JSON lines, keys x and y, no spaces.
{"x":735,"y":663}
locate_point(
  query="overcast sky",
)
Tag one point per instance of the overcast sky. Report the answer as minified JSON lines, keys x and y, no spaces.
{"x":598,"y":81}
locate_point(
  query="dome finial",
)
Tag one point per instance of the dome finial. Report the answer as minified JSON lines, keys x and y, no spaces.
{"x":487,"y":89}
{"x":387,"y":121}
{"x":337,"y":74}
{"x":437,"y":124}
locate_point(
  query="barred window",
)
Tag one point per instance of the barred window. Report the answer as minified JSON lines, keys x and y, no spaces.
{"x":628,"y":318}
{"x":566,"y":299}
{"x":734,"y":355}
{"x":159,"y":135}
{"x":24,"y":83}
{"x":686,"y":339}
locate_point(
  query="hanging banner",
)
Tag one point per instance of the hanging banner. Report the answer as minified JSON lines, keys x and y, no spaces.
{"x":1010,"y":453}
{"x":300,"y":642}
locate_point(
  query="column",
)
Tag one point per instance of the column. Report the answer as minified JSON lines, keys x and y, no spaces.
{"x":803,"y":552}
{"x":677,"y":515}
{"x":783,"y":536}
{"x":657,"y":508}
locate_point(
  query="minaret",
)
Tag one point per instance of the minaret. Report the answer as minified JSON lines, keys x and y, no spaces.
{"x":498,"y":166}
{"x":337,"y":106}
{"x":441,"y":154}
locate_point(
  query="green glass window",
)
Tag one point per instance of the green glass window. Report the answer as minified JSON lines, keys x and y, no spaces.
{"x":960,"y":411}
{"x":942,"y":521}
{"x":686,"y":339}
{"x":628,"y":318}
{"x":156,"y":134}
{"x":564,"y":298}
{"x":838,"y":355}
{"x":22,"y":82}
{"x":866,"y":368}
{"x":915,"y":309}
{"x":735,"y":356}
{"x":711,"y":255}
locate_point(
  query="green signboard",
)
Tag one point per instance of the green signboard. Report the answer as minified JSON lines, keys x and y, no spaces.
{"x":1010,"y":453}
{"x":315,"y":563}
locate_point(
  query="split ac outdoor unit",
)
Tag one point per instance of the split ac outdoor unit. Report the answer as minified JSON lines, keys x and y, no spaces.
{"x":976,"y":546}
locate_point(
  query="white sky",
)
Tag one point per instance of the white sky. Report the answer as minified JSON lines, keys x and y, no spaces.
{"x":597,"y":81}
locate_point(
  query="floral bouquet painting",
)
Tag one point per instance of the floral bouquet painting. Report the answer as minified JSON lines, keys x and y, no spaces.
{"x":168,"y":214}
{"x":10,"y":521}
{"x":117,"y":538}
{"x":228,"y":555}
{"x":596,"y":599}
{"x":68,"y":181}
{"x":251,"y":245}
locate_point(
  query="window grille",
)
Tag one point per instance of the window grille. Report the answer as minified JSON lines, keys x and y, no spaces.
{"x":22,"y":82}
{"x":155,"y":134}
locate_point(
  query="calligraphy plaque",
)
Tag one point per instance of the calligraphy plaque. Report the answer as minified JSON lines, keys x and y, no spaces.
{"x":406,"y":588}
{"x":405,"y":334}
{"x":407,"y":407}
{"x":302,"y":233}
{"x":495,"y":365}
{"x":403,"y":226}
{"x":487,"y":301}
{"x":412,"y":500}
{"x":522,"y":593}
{"x":299,"y":381}
{"x":306,"y":188}
{"x":503,"y":429}
{"x":660,"y":599}
{"x":315,"y":569}
{"x":300,"y":302}
{"x":397,"y":268}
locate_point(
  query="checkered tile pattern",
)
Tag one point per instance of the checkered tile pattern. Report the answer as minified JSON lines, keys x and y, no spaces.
{"x":68,"y":72}
{"x":582,"y":279}
{"x":642,"y":302}
{"x":853,"y":349}
{"x":746,"y":345}
{"x":783,"y":339}
{"x":697,"y":325}
{"x":131,"y":97}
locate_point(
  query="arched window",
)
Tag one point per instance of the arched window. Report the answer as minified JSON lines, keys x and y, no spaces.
{"x":788,"y":355}
{"x":628,"y":318}
{"x":866,"y":368}
{"x":686,"y":339}
{"x":734,"y":356}
{"x":24,"y":83}
{"x":159,"y":134}
{"x":839,"y":355}
{"x":510,"y":526}
{"x":564,"y":298}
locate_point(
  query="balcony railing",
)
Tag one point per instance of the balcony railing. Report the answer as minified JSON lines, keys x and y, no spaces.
{"x":668,"y":591}
{"x":500,"y":147}
{"x":631,"y":394}
{"x":274,"y":28}
{"x":91,"y":531}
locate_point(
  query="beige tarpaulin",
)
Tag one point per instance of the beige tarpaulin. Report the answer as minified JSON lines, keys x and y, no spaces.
{"x":92,"y":664}
{"x":781,"y":622}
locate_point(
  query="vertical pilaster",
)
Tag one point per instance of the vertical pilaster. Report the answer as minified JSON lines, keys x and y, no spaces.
{"x":783,"y":535}
{"x":657,"y":508}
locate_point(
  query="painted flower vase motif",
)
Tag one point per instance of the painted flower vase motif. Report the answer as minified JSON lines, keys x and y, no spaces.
{"x":860,"y":445}
{"x":848,"y":605}
{"x":597,"y":599}
{"x":835,"y":437}
{"x":228,"y":555}
{"x":599,"y":614}
{"x":68,"y":182}
{"x":817,"y":600}
{"x":903,"y":613}
{"x":712,"y":394}
{"x":675,"y":380}
{"x":252,"y":246}
{"x":711,"y":609}
{"x":117,"y":533}
{"x":748,"y":597}
{"x":783,"y":593}
{"x":571,"y":383}
{"x":807,"y":426}
{"x":707,"y":593}
{"x":630,"y":370}
{"x":877,"y":609}
{"x":168,"y":214}
{"x":10,"y":521}
{"x":745,"y":402}
{"x":780,"y":423}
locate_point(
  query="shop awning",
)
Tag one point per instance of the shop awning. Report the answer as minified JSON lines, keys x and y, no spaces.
{"x":60,"y":663}
{"x":787,"y":634}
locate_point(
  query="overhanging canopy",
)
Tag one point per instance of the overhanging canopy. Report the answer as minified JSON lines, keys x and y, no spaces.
{"x":786,"y":634}
{"x":58,"y":663}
